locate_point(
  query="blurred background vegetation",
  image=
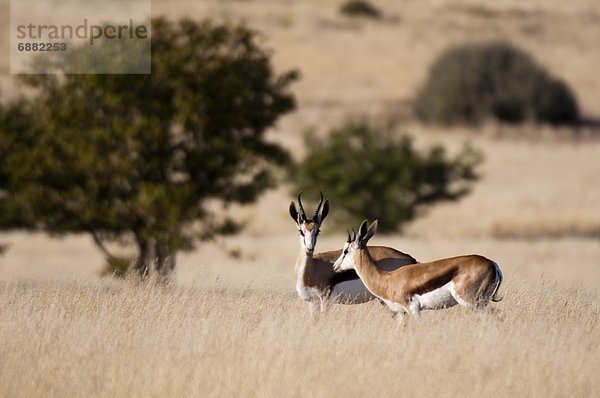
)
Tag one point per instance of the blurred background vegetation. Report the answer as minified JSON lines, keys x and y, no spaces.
{"x":360,"y":9}
{"x":372,"y":173}
{"x":474,"y":82}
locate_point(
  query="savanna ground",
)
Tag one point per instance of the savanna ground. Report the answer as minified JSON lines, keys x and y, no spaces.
{"x":231,"y":324}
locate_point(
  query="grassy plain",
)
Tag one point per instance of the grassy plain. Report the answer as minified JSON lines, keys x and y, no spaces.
{"x":232,"y":325}
{"x":91,"y":338}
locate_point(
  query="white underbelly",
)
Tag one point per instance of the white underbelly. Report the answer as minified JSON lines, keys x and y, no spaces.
{"x":350,"y":292}
{"x":393,"y":306}
{"x":441,"y":297}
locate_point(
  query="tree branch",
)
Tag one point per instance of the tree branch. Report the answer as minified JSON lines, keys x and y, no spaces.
{"x":107,"y":254}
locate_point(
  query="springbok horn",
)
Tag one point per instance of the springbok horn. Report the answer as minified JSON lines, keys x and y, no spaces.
{"x":302,"y":212}
{"x":318,"y":207}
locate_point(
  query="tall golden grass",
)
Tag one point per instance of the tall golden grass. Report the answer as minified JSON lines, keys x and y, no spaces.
{"x":116,"y":339}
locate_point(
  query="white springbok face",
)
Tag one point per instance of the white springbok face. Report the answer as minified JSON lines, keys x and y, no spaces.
{"x":309,"y":229}
{"x":346,"y":259}
{"x":308,"y":236}
{"x":354,"y":243}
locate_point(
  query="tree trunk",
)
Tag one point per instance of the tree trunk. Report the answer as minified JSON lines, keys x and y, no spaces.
{"x":100,"y":245}
{"x":146,"y":256}
{"x":165,"y":259}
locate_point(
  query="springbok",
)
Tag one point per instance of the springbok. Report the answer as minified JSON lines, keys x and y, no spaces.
{"x":470,"y":281}
{"x":316,"y":281}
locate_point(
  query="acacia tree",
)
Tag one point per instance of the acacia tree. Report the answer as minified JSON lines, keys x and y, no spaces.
{"x":140,"y":155}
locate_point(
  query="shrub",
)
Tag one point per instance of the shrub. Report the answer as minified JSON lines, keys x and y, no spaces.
{"x":473,"y":82}
{"x":360,"y":8}
{"x":369,"y":173}
{"x":117,"y":266}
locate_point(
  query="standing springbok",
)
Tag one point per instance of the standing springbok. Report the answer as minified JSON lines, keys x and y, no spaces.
{"x":470,"y":281}
{"x":316,"y":281}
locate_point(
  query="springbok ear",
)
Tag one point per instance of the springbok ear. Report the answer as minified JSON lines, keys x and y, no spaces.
{"x":294,"y":212}
{"x":325,"y":211}
{"x":371,"y":231}
{"x":362,"y":231}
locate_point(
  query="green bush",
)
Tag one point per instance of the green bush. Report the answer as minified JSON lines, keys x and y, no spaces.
{"x":473,"y":82}
{"x":360,"y":8}
{"x":117,"y":266}
{"x":366,"y":172}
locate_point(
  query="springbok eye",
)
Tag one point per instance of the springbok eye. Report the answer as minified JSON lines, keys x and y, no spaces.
{"x":301,"y":232}
{"x":345,"y":251}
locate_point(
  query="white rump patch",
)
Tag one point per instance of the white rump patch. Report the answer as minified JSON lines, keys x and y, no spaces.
{"x":442,"y":297}
{"x":350,"y":292}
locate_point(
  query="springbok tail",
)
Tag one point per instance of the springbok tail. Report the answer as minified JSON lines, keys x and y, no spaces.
{"x":497,"y":295}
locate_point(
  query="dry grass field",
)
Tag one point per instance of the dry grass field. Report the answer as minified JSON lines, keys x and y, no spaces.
{"x":233,"y":326}
{"x":107,"y":339}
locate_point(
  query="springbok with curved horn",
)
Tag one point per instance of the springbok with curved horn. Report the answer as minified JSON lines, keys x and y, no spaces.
{"x":470,"y":281}
{"x":316,"y":281}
